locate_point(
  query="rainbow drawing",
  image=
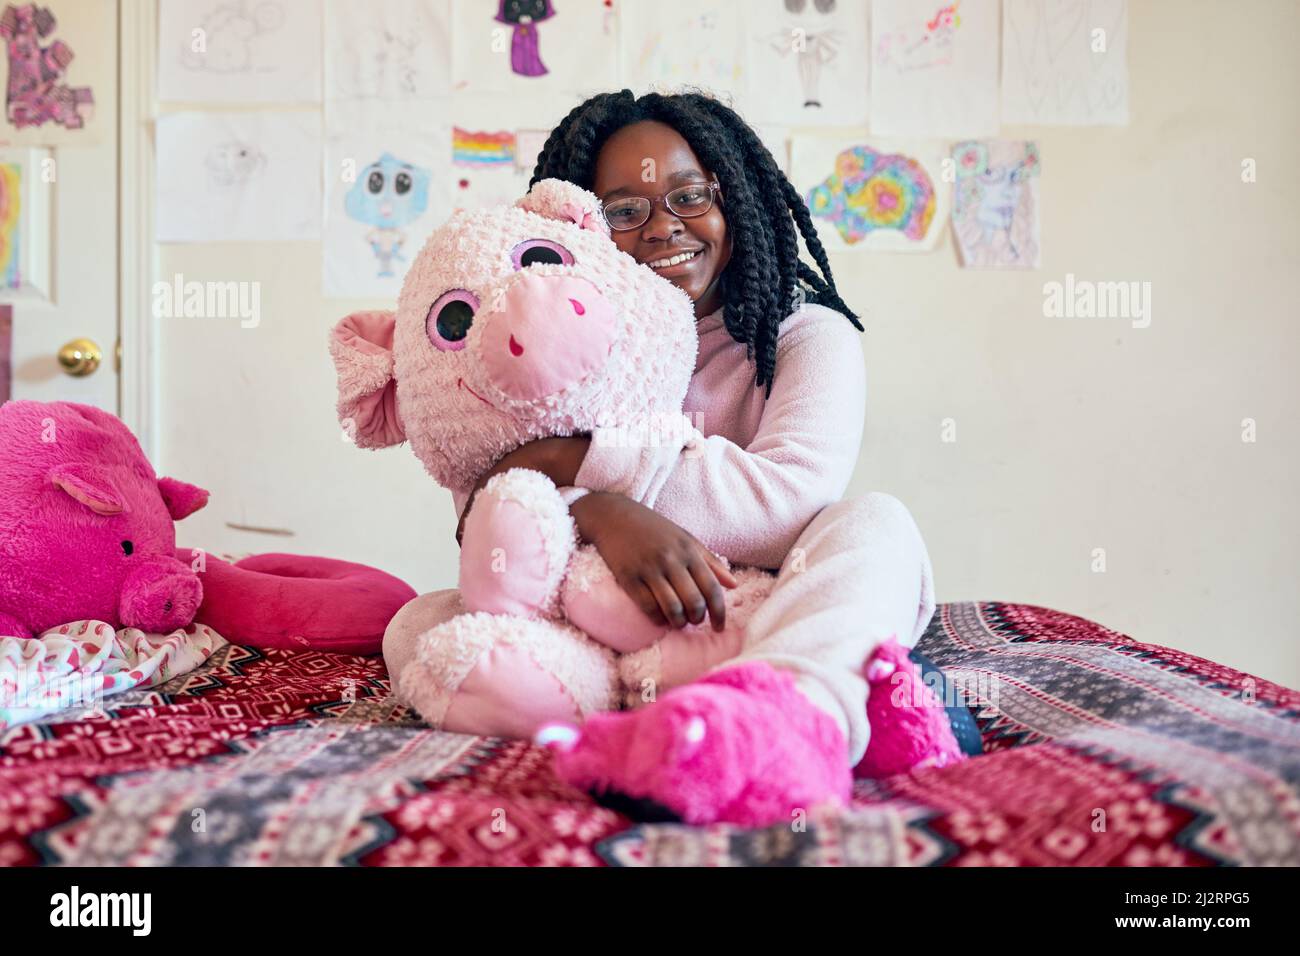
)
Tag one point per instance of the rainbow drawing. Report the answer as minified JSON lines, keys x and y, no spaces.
{"x":482,"y":149}
{"x":10,"y":184}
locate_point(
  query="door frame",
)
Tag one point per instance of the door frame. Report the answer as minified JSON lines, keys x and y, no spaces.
{"x":137,"y":344}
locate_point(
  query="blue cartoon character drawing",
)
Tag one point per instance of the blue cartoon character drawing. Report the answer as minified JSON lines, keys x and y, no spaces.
{"x":387,"y":195}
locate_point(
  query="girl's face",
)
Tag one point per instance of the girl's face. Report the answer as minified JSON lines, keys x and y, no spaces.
{"x":650,"y":159}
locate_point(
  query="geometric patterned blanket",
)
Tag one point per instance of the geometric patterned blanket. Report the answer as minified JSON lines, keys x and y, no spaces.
{"x":1098,"y":751}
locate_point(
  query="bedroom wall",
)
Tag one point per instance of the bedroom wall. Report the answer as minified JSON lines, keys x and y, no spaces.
{"x":1071,"y":435}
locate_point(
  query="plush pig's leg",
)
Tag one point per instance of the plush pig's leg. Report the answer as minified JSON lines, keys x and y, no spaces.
{"x":777,"y":729}
{"x":488,"y":674}
{"x":517,"y":543}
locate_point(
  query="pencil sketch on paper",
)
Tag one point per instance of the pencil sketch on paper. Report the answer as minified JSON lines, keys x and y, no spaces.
{"x":995,"y":210}
{"x":813,"y":44}
{"x":388,"y":195}
{"x":383,"y":63}
{"x":929,"y":43}
{"x":396,"y":51}
{"x":36,"y":93}
{"x":870,"y":192}
{"x":692,"y":45}
{"x":1065,"y":61}
{"x":226,"y":39}
{"x":234,"y":163}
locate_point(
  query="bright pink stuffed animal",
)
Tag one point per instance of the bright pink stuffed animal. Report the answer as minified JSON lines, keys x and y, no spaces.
{"x":86,"y":526}
{"x":521,"y":322}
{"x":86,"y":533}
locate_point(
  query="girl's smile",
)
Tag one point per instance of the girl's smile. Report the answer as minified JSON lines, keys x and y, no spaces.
{"x":647,"y":159}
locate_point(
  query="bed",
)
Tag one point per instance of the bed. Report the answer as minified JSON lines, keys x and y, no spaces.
{"x":1098,"y":751}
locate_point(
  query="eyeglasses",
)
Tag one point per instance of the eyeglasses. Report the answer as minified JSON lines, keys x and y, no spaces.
{"x":685,"y":202}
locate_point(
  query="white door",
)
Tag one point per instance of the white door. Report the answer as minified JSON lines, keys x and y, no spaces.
{"x":66,"y":234}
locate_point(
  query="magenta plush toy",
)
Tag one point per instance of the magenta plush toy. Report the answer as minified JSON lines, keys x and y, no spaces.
{"x":86,"y":526}
{"x":86,"y":533}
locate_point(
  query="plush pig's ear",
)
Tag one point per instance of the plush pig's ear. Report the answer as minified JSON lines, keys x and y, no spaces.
{"x":182,"y":499}
{"x":88,"y":485}
{"x":362,"y":348}
{"x":557,"y":199}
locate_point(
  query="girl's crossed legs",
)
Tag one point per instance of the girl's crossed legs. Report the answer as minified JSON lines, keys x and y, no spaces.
{"x":858,"y":574}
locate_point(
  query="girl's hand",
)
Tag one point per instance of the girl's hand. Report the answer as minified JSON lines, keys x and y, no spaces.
{"x":557,"y":458}
{"x":670,"y":575}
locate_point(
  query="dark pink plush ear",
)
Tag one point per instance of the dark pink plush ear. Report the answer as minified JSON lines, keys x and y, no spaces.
{"x":558,"y":199}
{"x":362,"y":348}
{"x":89,"y":486}
{"x":182,"y":499}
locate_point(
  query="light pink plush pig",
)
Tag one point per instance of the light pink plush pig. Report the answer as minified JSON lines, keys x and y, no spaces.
{"x":523,"y":322}
{"x":86,"y":526}
{"x":516,"y":323}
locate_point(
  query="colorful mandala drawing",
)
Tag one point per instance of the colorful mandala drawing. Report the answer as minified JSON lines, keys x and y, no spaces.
{"x":870,"y":191}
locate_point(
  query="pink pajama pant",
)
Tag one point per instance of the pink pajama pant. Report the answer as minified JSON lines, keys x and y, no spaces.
{"x":858,"y":574}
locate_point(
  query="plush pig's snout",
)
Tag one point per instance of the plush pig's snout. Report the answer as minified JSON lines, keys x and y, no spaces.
{"x":159,"y":595}
{"x":549,"y":333}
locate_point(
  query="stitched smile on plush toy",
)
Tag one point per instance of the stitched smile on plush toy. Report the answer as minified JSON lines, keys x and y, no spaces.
{"x":460,"y":383}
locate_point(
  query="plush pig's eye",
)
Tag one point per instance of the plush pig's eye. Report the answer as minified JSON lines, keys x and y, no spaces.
{"x":128,"y":548}
{"x":534,"y":252}
{"x":449,"y":319}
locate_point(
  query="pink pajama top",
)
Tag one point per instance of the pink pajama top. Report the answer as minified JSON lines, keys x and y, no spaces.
{"x":757,"y":472}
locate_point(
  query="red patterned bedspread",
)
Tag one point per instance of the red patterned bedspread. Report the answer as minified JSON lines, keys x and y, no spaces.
{"x":1098,"y":751}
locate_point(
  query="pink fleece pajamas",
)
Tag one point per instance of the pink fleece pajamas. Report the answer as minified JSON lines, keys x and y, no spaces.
{"x":760,"y":484}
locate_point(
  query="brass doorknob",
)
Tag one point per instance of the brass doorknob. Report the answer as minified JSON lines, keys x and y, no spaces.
{"x":80,"y":357}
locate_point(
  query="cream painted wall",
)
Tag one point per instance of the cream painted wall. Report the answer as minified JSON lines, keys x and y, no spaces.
{"x":1072,"y":434}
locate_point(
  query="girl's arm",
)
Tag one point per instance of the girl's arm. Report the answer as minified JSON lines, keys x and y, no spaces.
{"x":751,"y":503}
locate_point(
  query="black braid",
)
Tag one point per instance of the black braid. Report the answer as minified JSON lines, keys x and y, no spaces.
{"x":765,"y":278}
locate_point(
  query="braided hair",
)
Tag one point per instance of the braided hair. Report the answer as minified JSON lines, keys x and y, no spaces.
{"x":765,"y":280}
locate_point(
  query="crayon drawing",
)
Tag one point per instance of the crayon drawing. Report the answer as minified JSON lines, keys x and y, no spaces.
{"x":384,"y":193}
{"x":523,"y":16}
{"x":934,"y":67}
{"x":482,"y":150}
{"x":10,"y":206}
{"x":38,"y":91}
{"x":534,"y":48}
{"x":870,"y":191}
{"x":873,"y":196}
{"x":995,"y":216}
{"x":388,"y":195}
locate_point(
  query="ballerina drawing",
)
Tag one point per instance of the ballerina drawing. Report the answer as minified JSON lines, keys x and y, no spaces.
{"x":813,"y":48}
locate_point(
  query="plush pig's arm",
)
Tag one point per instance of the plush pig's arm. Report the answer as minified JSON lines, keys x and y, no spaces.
{"x":750,"y":503}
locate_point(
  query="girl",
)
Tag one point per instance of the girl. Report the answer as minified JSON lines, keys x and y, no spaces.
{"x":778,"y":394}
